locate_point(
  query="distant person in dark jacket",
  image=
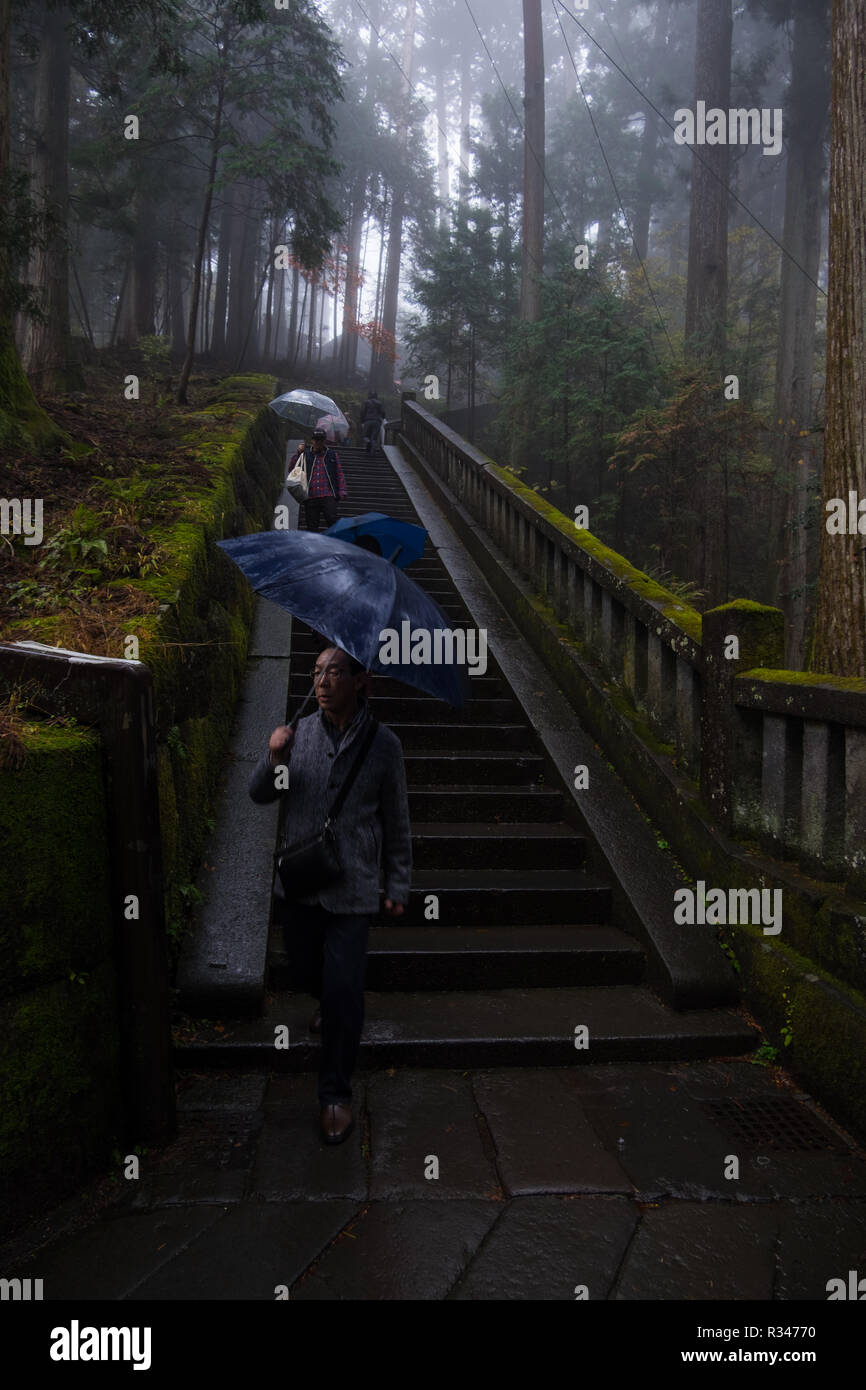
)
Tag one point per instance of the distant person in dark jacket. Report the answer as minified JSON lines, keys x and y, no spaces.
{"x":325,"y":480}
{"x":372,"y":415}
{"x":326,"y":932}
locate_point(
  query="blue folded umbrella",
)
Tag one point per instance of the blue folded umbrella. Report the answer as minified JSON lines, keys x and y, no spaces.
{"x":352,"y":598}
{"x":399,"y":541}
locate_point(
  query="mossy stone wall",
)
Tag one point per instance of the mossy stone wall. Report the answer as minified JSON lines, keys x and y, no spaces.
{"x":60,"y":1090}
{"x":60,"y":1079}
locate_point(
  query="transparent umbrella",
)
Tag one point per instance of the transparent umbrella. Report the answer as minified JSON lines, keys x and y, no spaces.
{"x":304,"y":407}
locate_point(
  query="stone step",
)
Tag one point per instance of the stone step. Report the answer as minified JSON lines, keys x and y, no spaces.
{"x":426,"y":709}
{"x":307,"y":641}
{"x":503,"y":804}
{"x":436,"y":767}
{"x":464,"y":737}
{"x":498,"y":897}
{"x":476,"y":845}
{"x":473,"y":958}
{"x":382,"y":687}
{"x":490,"y":1028}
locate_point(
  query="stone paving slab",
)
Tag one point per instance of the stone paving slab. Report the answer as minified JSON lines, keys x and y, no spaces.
{"x":419,"y":1115}
{"x":110,"y":1258}
{"x":658,"y":1122}
{"x":256,"y":1248}
{"x":544,"y":1142}
{"x":293,"y":1162}
{"x":702,"y":1251}
{"x":546,"y":1247}
{"x":818,"y":1242}
{"x":210,"y":1161}
{"x":360,"y":1220}
{"x":244,"y":1091}
{"x":402,"y":1250}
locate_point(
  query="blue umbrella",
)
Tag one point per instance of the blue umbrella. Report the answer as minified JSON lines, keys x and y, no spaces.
{"x":399,"y":541}
{"x":352,"y":598}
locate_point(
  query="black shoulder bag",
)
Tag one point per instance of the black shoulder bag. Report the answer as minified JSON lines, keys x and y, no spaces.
{"x":314,"y":863}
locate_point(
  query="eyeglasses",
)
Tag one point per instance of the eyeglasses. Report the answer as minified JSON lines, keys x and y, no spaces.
{"x":337,"y":672}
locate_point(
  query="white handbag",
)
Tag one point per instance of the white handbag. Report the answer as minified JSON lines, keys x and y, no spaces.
{"x":297,"y":483}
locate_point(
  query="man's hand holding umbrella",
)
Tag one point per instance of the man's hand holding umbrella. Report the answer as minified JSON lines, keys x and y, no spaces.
{"x":280,"y":743}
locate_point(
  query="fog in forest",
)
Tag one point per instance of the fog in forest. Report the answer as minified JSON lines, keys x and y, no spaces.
{"x":596,"y":243}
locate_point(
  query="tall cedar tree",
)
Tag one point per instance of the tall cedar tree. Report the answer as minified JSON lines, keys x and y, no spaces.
{"x":707,"y":287}
{"x":840,"y":619}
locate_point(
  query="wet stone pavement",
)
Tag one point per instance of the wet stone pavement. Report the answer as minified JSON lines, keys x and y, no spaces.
{"x":605,"y":1182}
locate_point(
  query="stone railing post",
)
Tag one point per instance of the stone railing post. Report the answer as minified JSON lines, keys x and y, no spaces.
{"x":737,"y":637}
{"x":117,"y":695}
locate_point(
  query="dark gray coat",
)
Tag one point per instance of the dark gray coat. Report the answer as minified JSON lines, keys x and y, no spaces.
{"x":372,"y":829}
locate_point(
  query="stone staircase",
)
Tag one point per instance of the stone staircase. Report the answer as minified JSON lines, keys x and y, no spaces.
{"x":509,"y":944}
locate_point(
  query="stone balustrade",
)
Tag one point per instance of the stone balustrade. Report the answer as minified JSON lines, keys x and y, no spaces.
{"x":780,"y":756}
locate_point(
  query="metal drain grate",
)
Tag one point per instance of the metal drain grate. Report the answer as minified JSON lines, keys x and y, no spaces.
{"x":781,"y":1124}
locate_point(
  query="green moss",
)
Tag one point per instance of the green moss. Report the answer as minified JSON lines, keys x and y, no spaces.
{"x":23,"y":422}
{"x":744,"y":605}
{"x":670,"y":607}
{"x":60,"y":1038}
{"x":52,"y":812}
{"x":855,"y":684}
{"x":59,"y":1085}
{"x":827,"y":1019}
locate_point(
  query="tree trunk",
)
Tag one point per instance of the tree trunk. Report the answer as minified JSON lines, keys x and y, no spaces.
{"x":371,"y":380}
{"x":349,"y":340}
{"x":175,"y":298}
{"x":353,"y":266}
{"x":840,"y":619}
{"x":382,"y":366}
{"x":533,"y":164}
{"x":297,"y":343}
{"x":269,"y":302}
{"x":442,"y":153}
{"x":794,"y":453}
{"x":463,"y":185}
{"x":278,"y":319}
{"x":335,"y":330}
{"x":707,"y":284}
{"x":242,"y":273}
{"x":144,"y":267}
{"x":208,"y":291}
{"x":645,"y":180}
{"x":22,"y":420}
{"x":199,"y":254}
{"x":359,"y":300}
{"x":707,"y":288}
{"x":311,"y":325}
{"x":291,"y":347}
{"x":218,"y":336}
{"x":48,"y":354}
{"x":323,"y":303}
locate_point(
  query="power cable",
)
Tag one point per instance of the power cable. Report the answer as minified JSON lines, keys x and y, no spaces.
{"x":695,"y":154}
{"x":613,"y":180}
{"x":518,"y":118}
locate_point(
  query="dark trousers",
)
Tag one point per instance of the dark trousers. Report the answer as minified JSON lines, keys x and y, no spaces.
{"x":318,"y":505}
{"x":328,"y":959}
{"x":371,"y":434}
